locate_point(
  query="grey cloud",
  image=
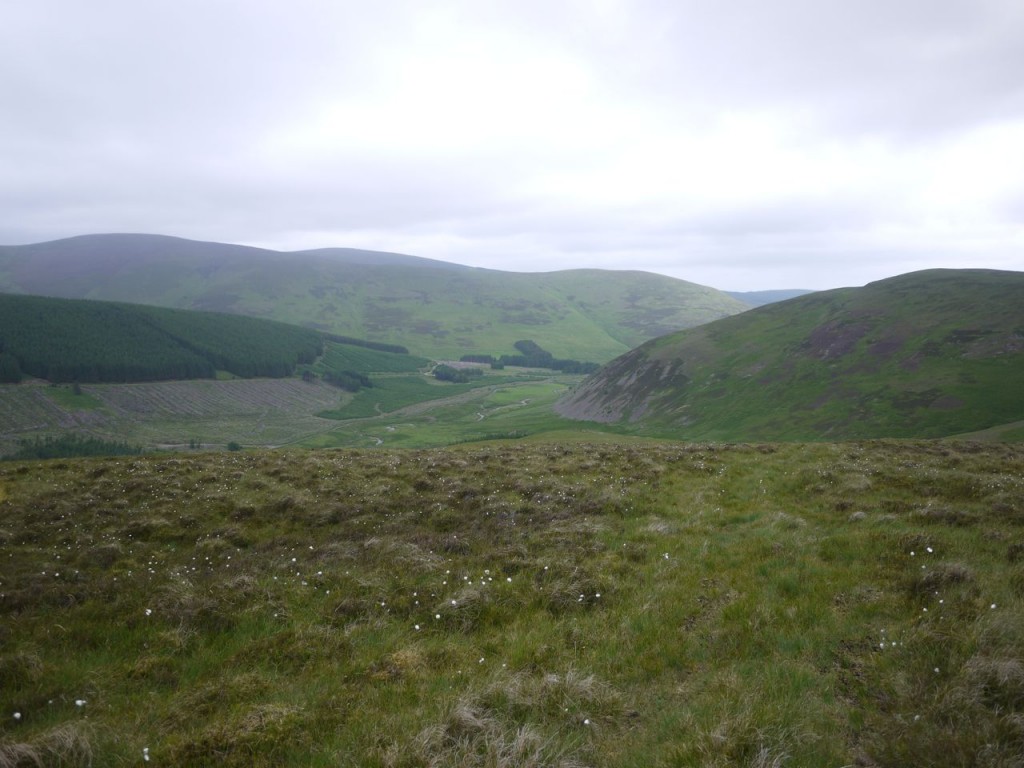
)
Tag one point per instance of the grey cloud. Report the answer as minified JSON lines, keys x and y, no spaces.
{"x":161,"y":116}
{"x":895,"y":68}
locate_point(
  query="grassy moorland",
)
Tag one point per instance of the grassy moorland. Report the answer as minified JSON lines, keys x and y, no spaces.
{"x":530,"y":604}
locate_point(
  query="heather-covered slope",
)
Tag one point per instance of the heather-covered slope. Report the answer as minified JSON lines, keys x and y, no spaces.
{"x":926,"y":354}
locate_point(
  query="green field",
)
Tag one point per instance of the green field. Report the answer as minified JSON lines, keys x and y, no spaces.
{"x":391,"y":393}
{"x":493,"y":409}
{"x":600,"y":603}
{"x":67,"y":398}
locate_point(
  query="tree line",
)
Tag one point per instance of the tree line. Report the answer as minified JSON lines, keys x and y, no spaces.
{"x":69,"y":446}
{"x":532,"y":355}
{"x":350,"y":381}
{"x":444,"y":372}
{"x":379,"y":346}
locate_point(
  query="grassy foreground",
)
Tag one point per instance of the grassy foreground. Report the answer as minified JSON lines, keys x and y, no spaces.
{"x":535,"y":604}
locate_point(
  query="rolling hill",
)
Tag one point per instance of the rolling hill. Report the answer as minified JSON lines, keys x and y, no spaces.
{"x":433,"y":308}
{"x":927,"y":354}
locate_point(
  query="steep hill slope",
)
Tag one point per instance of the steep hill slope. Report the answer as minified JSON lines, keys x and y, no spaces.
{"x":433,"y":308}
{"x":926,"y":354}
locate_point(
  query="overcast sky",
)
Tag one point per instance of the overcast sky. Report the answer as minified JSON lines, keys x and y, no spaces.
{"x":743,"y":144}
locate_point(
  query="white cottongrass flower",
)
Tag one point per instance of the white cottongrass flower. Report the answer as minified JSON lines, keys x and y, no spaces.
{"x":17,"y":715}
{"x":79,"y":702}
{"x":149,"y":611}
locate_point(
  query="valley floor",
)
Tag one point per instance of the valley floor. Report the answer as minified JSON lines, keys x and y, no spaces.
{"x":404,"y":410}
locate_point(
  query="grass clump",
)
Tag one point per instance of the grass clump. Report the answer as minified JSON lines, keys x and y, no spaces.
{"x":65,"y":745}
{"x":517,"y":720}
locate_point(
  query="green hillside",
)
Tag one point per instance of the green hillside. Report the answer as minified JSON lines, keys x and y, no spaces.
{"x":927,"y":354}
{"x":574,"y":604}
{"x":67,"y":340}
{"x":434,"y":309}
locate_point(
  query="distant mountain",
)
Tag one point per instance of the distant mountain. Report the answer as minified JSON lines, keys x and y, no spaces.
{"x":926,"y":354}
{"x":760,"y":298}
{"x":434,"y":308}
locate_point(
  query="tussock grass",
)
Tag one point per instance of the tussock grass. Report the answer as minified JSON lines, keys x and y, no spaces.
{"x":517,"y":720}
{"x":65,"y":745}
{"x":529,"y":604}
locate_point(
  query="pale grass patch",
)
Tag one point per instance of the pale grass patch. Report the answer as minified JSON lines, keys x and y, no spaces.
{"x":267,"y":717}
{"x":65,"y":745}
{"x":659,"y":526}
{"x":997,"y":681}
{"x":471,"y":737}
{"x":787,"y":522}
{"x":516,"y":721}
